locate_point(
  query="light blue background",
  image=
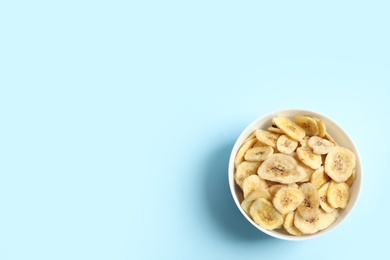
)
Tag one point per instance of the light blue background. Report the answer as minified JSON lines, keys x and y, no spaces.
{"x":118,"y":118}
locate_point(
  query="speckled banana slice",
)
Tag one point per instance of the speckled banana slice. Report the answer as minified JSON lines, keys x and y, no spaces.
{"x":265,"y":215}
{"x":286,"y":145}
{"x":244,"y":170}
{"x":258,"y":154}
{"x":303,"y":142}
{"x":324,"y":220}
{"x":322,"y":193}
{"x":266,"y":137}
{"x":311,"y":201}
{"x":289,"y":127}
{"x":309,"y":124}
{"x":254,"y":195}
{"x":251,"y":183}
{"x":306,"y":155}
{"x":338,"y":194}
{"x":280,"y":168}
{"x":287,"y":199}
{"x":319,"y":177}
{"x":244,"y":147}
{"x":275,"y":130}
{"x":289,"y":226}
{"x":339,"y":163}
{"x":320,"y":145}
{"x":306,"y":226}
{"x":351,"y":178}
{"x":320,"y":221}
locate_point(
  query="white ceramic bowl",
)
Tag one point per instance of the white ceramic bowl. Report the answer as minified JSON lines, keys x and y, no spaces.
{"x":340,"y":136}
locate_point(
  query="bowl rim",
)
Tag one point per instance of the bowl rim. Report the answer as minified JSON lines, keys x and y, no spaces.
{"x":250,"y":128}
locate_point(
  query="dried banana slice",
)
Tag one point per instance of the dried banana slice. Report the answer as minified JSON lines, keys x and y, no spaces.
{"x":306,"y":226}
{"x":273,"y":189}
{"x":241,"y":152}
{"x":321,"y":126}
{"x":330,"y":138}
{"x":311,"y":201}
{"x":307,"y":123}
{"x":319,"y":177}
{"x":320,"y":145}
{"x":258,"y":154}
{"x":280,"y":168}
{"x":303,"y":142}
{"x":265,"y":215}
{"x":351,"y":178}
{"x":251,"y":183}
{"x":289,"y":127}
{"x":287,"y":199}
{"x":306,"y":155}
{"x":275,"y":130}
{"x":286,"y":145}
{"x":259,"y":144}
{"x":338,"y":194}
{"x":266,"y":137}
{"x":245,"y":169}
{"x":322,"y":193}
{"x":289,"y":226}
{"x":308,"y":171}
{"x":339,"y":163}
{"x":258,"y":193}
{"x":320,"y":221}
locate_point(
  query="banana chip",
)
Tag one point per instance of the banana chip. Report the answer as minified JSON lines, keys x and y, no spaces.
{"x":294,"y":176}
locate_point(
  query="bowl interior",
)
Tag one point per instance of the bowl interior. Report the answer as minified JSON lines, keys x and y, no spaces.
{"x":340,"y":136}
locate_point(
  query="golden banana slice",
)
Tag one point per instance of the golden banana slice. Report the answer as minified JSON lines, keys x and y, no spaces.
{"x":324,"y":220}
{"x":266,"y":137}
{"x":274,"y":188}
{"x":308,"y":171}
{"x":303,"y":142}
{"x":319,"y":177}
{"x":287,"y":199}
{"x":289,"y":127}
{"x":320,"y":145}
{"x":254,"y":195}
{"x":259,"y":144}
{"x":339,"y":163}
{"x":275,"y":130}
{"x":258,"y":154}
{"x":245,"y":169}
{"x":280,"y":168}
{"x":311,"y":201}
{"x":286,"y":145}
{"x":251,"y":183}
{"x":351,"y":178}
{"x":335,"y":213}
{"x":321,"y":126}
{"x":307,"y":123}
{"x":320,"y":221}
{"x":330,"y":138}
{"x":306,"y":155}
{"x":241,"y":152}
{"x":322,"y":193}
{"x":265,"y":215}
{"x":306,"y":226}
{"x":289,"y":226}
{"x":338,"y":194}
